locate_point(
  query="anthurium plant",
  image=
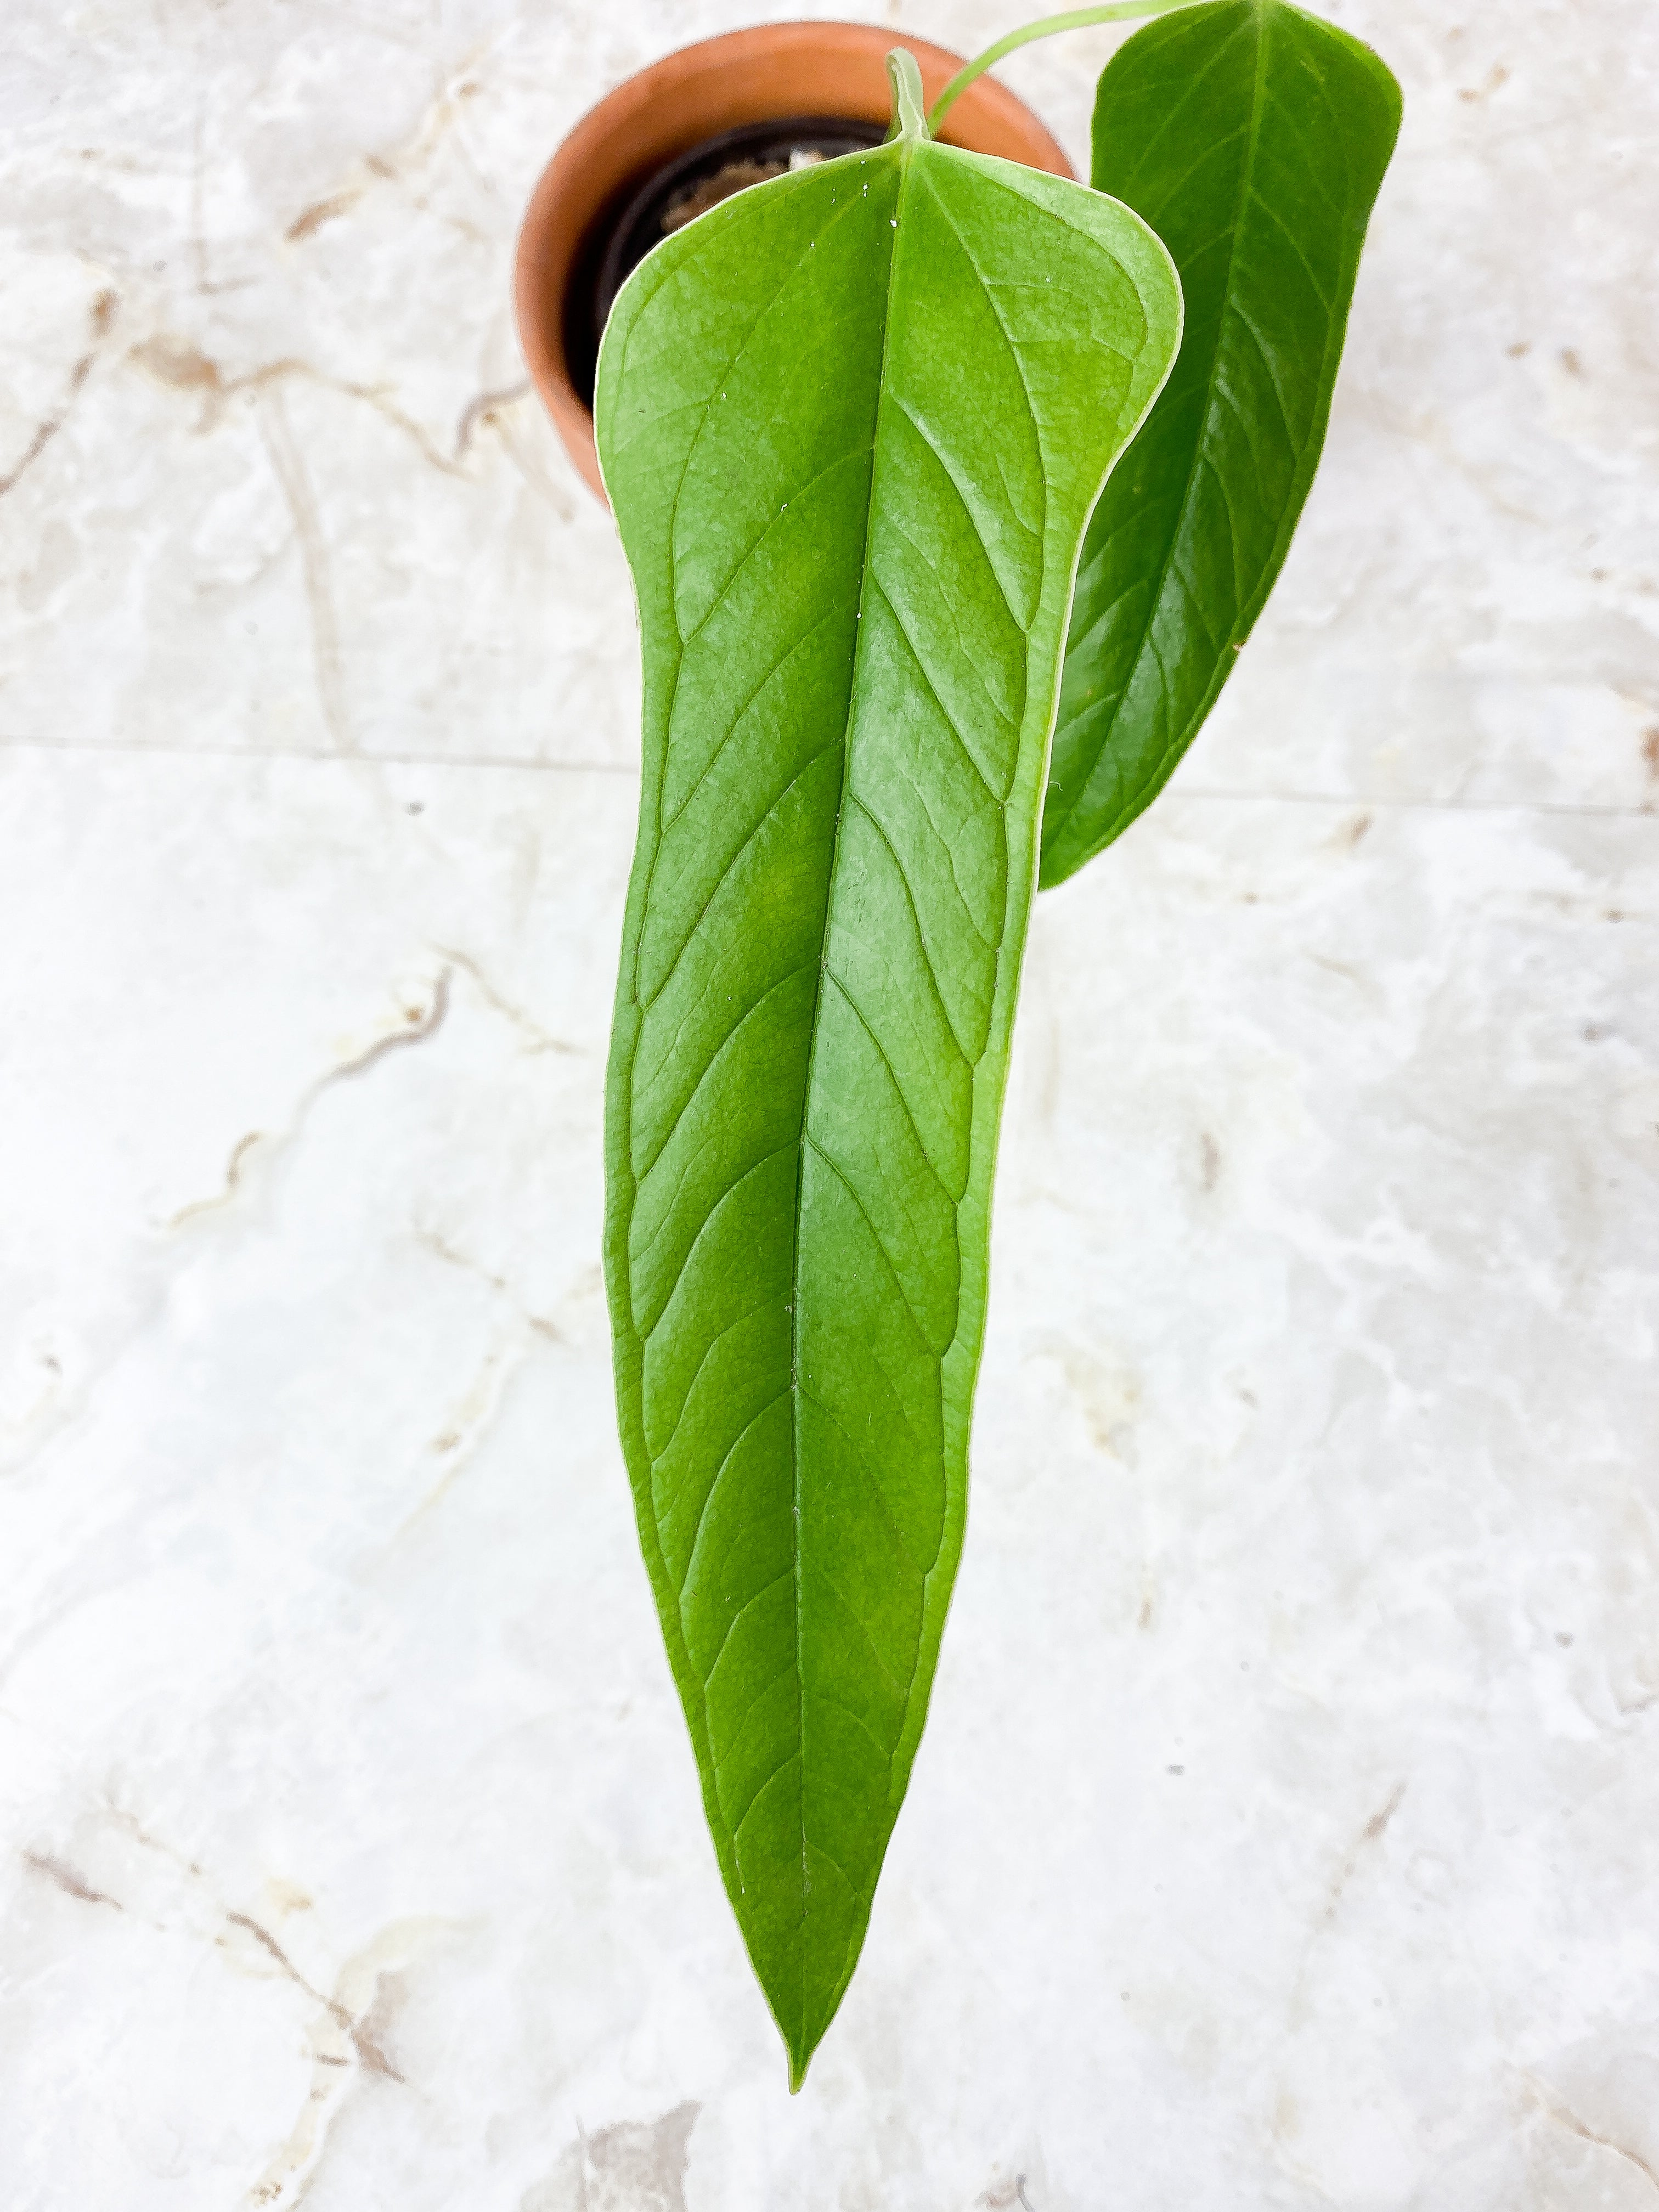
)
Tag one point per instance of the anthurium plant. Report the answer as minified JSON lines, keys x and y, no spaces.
{"x":949,"y":490}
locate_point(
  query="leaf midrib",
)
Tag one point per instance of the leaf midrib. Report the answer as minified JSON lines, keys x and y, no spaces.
{"x":903,"y":157}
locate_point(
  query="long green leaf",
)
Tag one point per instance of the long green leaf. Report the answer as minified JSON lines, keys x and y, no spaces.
{"x":1254,"y":139}
{"x":852,"y":424}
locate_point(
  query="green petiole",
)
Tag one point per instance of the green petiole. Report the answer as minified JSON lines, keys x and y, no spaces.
{"x":1078,"y":19}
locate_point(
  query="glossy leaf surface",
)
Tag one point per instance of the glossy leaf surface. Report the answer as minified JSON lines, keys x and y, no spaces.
{"x":1254,"y":139}
{"x":852,"y":424}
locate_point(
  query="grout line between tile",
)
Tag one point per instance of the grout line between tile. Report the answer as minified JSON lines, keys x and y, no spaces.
{"x":1364,"y":799}
{"x":1350,"y":799}
{"x":296,"y":753}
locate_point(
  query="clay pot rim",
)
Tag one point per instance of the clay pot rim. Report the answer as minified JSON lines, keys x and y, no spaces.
{"x":565,"y":202}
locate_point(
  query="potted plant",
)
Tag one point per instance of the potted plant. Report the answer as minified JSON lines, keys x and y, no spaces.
{"x":751,"y":99}
{"x":915,"y":639}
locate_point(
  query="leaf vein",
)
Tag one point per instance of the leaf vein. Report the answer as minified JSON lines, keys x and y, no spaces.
{"x":972,"y":758}
{"x":737,"y":719}
{"x":759,"y":1414}
{"x":880,"y":828}
{"x":748,"y":1605}
{"x":848,"y":1186}
{"x":701,"y":914}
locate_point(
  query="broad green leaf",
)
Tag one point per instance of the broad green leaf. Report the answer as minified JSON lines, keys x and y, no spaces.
{"x":852,"y":423}
{"x":1254,"y":139}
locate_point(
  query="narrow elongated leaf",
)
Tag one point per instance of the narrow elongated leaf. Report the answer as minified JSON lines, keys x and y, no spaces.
{"x":1254,"y":139}
{"x":852,"y":424}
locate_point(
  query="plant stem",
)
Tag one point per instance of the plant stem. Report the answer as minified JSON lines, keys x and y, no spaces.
{"x":1078,"y":20}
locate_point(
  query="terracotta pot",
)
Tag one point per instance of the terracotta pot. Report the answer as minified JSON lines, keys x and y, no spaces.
{"x":780,"y":69}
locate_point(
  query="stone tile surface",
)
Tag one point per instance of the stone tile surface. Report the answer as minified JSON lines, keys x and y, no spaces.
{"x":1282,"y":1834}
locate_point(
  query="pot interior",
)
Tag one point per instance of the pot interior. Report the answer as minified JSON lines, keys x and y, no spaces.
{"x":650,"y":207}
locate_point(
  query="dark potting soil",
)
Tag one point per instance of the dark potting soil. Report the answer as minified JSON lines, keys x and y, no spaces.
{"x":651,"y":207}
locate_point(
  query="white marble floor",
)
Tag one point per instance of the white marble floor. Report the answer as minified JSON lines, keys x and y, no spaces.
{"x":1283,"y":1833}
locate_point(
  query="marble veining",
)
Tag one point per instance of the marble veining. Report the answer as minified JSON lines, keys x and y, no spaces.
{"x":1282,"y":1834}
